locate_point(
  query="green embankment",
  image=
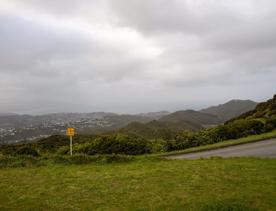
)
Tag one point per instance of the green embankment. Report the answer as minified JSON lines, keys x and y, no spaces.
{"x":248,"y":139}
{"x":204,"y":184}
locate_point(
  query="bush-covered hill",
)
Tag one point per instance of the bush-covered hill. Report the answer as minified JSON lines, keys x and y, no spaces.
{"x":265,"y":110}
{"x":260,"y":120}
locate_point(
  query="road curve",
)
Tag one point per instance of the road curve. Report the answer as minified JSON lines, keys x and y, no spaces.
{"x":265,"y":148}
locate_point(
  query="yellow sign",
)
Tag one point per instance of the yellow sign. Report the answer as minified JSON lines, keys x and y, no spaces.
{"x":70,"y":131}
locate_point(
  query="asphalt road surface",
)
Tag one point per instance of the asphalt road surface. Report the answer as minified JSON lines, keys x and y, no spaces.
{"x":266,"y":148}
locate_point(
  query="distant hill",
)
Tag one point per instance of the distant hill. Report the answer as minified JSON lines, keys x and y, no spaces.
{"x":122,"y":120}
{"x":7,"y":114}
{"x":230,"y":109}
{"x":159,"y":129}
{"x":155,"y":115}
{"x":196,"y":117}
{"x":262,"y":110}
{"x":17,"y":128}
{"x":167,"y":126}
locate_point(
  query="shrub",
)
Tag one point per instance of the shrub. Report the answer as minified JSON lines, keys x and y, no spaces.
{"x":65,"y":150}
{"x":236,"y":129}
{"x":187,"y":139}
{"x":270,"y":125}
{"x":116,"y":144}
{"x":158,"y":145}
{"x":27,"y":150}
{"x":231,"y":130}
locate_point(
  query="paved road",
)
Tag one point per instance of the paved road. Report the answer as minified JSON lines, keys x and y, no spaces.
{"x":266,"y":148}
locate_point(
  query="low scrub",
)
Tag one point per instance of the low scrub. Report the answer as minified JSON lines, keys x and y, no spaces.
{"x":233,"y":130}
{"x":20,"y":161}
{"x":135,"y":145}
{"x":115,"y":144}
{"x":27,"y":150}
{"x":30,"y":161}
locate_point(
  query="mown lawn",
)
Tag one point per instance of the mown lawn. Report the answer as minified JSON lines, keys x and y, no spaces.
{"x":204,"y":184}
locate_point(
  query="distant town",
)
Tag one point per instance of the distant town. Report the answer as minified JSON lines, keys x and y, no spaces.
{"x":17,"y":128}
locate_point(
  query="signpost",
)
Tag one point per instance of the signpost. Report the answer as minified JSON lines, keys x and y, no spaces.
{"x":71,"y":133}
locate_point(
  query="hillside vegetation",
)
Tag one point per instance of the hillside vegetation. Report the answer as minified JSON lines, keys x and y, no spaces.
{"x":265,"y":110}
{"x":168,"y":126}
{"x":153,"y":137}
{"x":159,"y":129}
{"x":260,"y":120}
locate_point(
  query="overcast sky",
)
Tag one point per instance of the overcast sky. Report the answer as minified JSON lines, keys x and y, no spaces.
{"x":134,"y":56}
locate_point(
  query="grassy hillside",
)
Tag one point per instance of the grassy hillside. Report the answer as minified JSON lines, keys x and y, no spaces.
{"x":192,"y":116}
{"x":206,"y":184}
{"x":159,"y":129}
{"x":231,"y":109}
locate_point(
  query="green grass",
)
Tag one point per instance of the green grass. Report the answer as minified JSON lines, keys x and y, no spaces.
{"x":52,"y":159}
{"x":248,"y":139}
{"x":156,"y":184}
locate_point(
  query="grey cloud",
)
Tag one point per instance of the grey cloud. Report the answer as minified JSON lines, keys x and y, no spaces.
{"x":25,"y":43}
{"x":132,"y":56}
{"x":171,"y":16}
{"x":43,"y":50}
{"x":198,"y":35}
{"x":91,"y":10}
